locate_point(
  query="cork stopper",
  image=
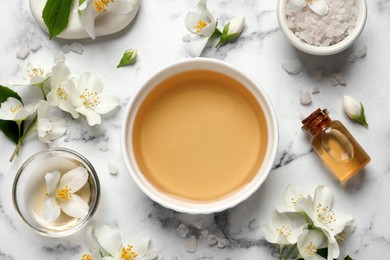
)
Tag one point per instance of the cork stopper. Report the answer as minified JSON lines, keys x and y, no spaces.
{"x":317,"y":120}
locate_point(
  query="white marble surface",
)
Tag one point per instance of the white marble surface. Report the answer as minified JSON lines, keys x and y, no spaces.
{"x":156,"y":33}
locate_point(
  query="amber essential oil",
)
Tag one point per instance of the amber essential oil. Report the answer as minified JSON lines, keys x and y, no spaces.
{"x":335,"y":145}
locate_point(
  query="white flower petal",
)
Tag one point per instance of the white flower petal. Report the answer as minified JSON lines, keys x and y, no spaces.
{"x":90,"y":239}
{"x":120,"y":7}
{"x":291,"y":196}
{"x":58,"y":128}
{"x":309,"y":242}
{"x":92,"y":117}
{"x":269,"y":234}
{"x":140,"y":245}
{"x":202,"y":5}
{"x":60,"y":73}
{"x":209,"y":29}
{"x":196,"y":46}
{"x":319,"y":6}
{"x":52,"y":179}
{"x":74,"y":179}
{"x":51,"y":210}
{"x":91,"y":82}
{"x":295,"y":5}
{"x":192,"y":19}
{"x":333,"y":251}
{"x":107,"y":103}
{"x":323,"y":197}
{"x":75,"y":207}
{"x":109,"y":239}
{"x":12,"y":109}
{"x":87,"y":18}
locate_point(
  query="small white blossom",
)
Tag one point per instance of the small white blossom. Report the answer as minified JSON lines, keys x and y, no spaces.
{"x":354,"y":110}
{"x":13,"y":110}
{"x":202,"y":24}
{"x":308,"y":244}
{"x":232,"y":30}
{"x":49,"y":127}
{"x":291,"y":196}
{"x":60,"y":86}
{"x":32,"y":74}
{"x":318,"y":6}
{"x":88,"y":100}
{"x":61,"y":194}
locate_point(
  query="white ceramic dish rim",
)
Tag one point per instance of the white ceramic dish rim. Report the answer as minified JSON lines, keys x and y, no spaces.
{"x":188,"y":206}
{"x":323,"y":51}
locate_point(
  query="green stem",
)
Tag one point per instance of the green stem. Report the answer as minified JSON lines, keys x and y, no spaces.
{"x":17,"y":148}
{"x":281,"y":251}
{"x":289,"y":252}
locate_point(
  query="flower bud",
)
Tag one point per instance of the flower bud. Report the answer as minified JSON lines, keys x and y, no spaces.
{"x":354,"y":110}
{"x":128,"y":57}
{"x":236,"y":25}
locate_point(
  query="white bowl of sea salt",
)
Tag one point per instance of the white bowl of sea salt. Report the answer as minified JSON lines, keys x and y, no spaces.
{"x":326,"y":34}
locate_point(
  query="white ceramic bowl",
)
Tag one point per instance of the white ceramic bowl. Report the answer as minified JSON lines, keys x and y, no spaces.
{"x":174,"y":202}
{"x":322,"y":51}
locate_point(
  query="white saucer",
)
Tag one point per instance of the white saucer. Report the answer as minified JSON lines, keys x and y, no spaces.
{"x":105,"y":24}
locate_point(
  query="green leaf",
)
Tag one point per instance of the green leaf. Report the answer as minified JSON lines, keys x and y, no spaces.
{"x":361,"y":118}
{"x":348,"y":258}
{"x":56,"y":15}
{"x":323,"y":252}
{"x":9,"y":128}
{"x":128,"y":57}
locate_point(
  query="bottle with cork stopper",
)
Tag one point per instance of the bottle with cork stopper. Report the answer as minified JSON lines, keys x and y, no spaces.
{"x":335,"y":145}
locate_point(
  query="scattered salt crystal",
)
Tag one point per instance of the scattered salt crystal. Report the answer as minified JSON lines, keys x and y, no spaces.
{"x":212,"y":240}
{"x":35,"y":45}
{"x":315,"y":89}
{"x":361,"y":52}
{"x":221,"y":243}
{"x":292,"y":67}
{"x":77,"y":48}
{"x":173,"y":257}
{"x":305,"y":99}
{"x":151,"y":255}
{"x":319,"y":75}
{"x":333,"y":81}
{"x":191,"y":244}
{"x":66,"y":48}
{"x":340,"y":79}
{"x":351,"y":58}
{"x":22,"y":52}
{"x":207,"y":254}
{"x":204,"y":233}
{"x":198,"y":224}
{"x":325,"y":30}
{"x":103,"y":146}
{"x":58,"y":56}
{"x":186,"y":38}
{"x":182,"y":230}
{"x":112,"y":168}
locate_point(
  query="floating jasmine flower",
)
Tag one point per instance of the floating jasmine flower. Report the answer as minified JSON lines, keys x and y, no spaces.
{"x":354,"y":110}
{"x":13,"y":110}
{"x":49,"y":127}
{"x":308,"y":244}
{"x":284,"y":229}
{"x":58,"y":96}
{"x":61,"y":194}
{"x":88,"y":100}
{"x":318,"y":6}
{"x":107,"y":243}
{"x":90,"y":9}
{"x":201,"y":23}
{"x":232,"y":30}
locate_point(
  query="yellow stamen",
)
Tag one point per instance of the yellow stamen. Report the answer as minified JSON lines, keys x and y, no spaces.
{"x":86,"y":257}
{"x":325,"y":216}
{"x":127,"y":253}
{"x":15,"y":108}
{"x":284,"y":231}
{"x":35,"y":72}
{"x":309,"y":1}
{"x":200,"y":25}
{"x":101,"y":5}
{"x":64,"y":194}
{"x":310,"y":249}
{"x":61,"y":93}
{"x":90,"y":99}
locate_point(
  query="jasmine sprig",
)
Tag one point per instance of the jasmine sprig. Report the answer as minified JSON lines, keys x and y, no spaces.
{"x":128,"y":57}
{"x":355,"y":110}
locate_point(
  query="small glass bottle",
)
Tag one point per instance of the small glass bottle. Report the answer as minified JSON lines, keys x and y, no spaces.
{"x":340,"y":152}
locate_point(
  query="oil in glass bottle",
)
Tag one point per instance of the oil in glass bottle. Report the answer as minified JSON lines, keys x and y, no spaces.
{"x":337,"y":148}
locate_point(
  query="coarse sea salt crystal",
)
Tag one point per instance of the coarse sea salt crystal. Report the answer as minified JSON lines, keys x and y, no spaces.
{"x":361,"y":52}
{"x":66,"y":48}
{"x":22,"y":52}
{"x":292,"y":67}
{"x":182,"y":231}
{"x":315,"y":89}
{"x":77,"y":48}
{"x":340,"y":79}
{"x":112,"y":168}
{"x":326,"y":30}
{"x":35,"y":45}
{"x":212,"y":240}
{"x":305,"y":99}
{"x":191,"y":244}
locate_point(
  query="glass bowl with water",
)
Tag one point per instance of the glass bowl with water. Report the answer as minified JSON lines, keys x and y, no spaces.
{"x":29,"y":191}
